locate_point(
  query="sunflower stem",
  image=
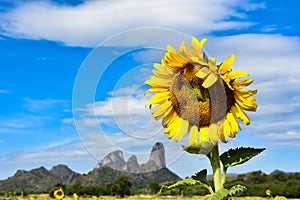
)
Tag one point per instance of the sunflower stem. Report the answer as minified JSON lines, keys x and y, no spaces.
{"x":224,"y":175}
{"x":215,"y":164}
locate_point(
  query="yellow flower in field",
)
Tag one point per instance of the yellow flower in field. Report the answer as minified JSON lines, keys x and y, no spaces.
{"x":59,"y":194}
{"x":75,"y":196}
{"x":268,"y":192}
{"x":197,"y":96}
{"x":280,"y":198}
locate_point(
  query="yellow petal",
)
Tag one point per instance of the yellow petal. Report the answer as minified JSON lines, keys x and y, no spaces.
{"x":213,"y":134}
{"x":163,"y":68}
{"x":202,"y":41}
{"x":221,"y":132}
{"x":184,"y":51}
{"x":203,"y":72}
{"x":203,"y":134}
{"x":174,"y":60}
{"x":182,"y":130}
{"x":169,"y":119}
{"x":246,"y":103}
{"x":225,"y":66}
{"x":244,"y":82}
{"x":197,"y":59}
{"x":171,"y":125}
{"x":162,"y":110}
{"x":232,"y":122}
{"x":175,"y":127}
{"x":197,"y":46}
{"x":227,"y":128}
{"x":156,"y":89}
{"x":158,"y":82}
{"x":210,"y":80}
{"x":159,"y":98}
{"x":162,"y":74}
{"x":245,"y":93}
{"x":241,"y":114}
{"x":212,"y":64}
{"x":171,"y":48}
{"x":193,"y":135}
{"x":236,"y":74}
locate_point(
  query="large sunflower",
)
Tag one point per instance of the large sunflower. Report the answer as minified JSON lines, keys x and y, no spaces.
{"x":197,"y":96}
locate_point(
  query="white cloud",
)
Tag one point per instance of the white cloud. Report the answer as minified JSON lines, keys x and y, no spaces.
{"x":4,"y":91}
{"x":39,"y":105}
{"x":89,"y":23}
{"x":268,"y":57}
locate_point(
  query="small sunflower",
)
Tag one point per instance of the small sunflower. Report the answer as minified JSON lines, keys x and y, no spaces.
{"x":268,"y":192}
{"x":197,"y":96}
{"x":59,"y":194}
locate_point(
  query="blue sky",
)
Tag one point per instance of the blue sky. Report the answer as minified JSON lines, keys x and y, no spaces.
{"x":72,"y":73}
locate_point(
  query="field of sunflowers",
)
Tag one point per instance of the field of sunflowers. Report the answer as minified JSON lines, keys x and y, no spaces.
{"x":46,"y":197}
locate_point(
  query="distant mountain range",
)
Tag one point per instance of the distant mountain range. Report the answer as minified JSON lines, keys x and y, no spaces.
{"x":108,"y":170}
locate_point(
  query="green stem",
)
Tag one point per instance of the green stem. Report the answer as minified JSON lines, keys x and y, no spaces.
{"x":215,"y":164}
{"x":224,"y":175}
{"x":209,"y":189}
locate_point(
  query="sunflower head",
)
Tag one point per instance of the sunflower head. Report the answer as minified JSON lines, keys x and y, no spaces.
{"x":59,"y":194}
{"x":193,"y":94}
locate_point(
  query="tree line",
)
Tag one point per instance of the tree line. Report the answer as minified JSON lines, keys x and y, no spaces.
{"x":257,"y":182}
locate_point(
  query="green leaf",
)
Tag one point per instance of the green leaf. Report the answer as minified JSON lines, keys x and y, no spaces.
{"x":184,"y":182}
{"x":201,"y":176}
{"x":198,"y":179}
{"x":219,"y":195}
{"x":237,"y":190}
{"x":238,"y":156}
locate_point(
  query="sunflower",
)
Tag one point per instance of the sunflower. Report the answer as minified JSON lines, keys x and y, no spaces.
{"x":268,"y":192}
{"x":195,"y":95}
{"x":75,"y":196}
{"x":59,"y":194}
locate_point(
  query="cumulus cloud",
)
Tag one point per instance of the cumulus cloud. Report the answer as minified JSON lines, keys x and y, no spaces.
{"x":89,"y":23}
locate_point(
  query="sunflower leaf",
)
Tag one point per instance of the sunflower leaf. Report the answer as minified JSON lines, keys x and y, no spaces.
{"x":236,"y":190}
{"x":201,"y":176}
{"x":184,"y":182}
{"x":195,"y":180}
{"x":219,"y":195}
{"x":237,"y":156}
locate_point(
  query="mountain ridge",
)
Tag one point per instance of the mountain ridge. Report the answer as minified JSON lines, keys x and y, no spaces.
{"x":107,"y":170}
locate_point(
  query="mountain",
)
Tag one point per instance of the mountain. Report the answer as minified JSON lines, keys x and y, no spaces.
{"x":39,"y":179}
{"x":106,"y":175}
{"x":107,"y":170}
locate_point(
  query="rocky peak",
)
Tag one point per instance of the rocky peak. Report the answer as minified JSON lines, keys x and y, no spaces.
{"x":132,"y":164}
{"x":158,"y":155}
{"x":116,"y":160}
